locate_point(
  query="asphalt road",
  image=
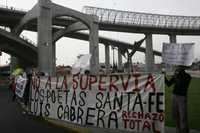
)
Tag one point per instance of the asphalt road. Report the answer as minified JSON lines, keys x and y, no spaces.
{"x":13,"y":121}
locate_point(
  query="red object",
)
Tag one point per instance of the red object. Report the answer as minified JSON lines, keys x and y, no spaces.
{"x":13,"y":86}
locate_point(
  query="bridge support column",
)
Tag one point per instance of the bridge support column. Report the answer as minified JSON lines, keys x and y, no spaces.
{"x":94,"y":48}
{"x":119,"y":60}
{"x":149,"y":57}
{"x":107,"y":58}
{"x":172,"y":38}
{"x":54,"y":58}
{"x":45,"y":46}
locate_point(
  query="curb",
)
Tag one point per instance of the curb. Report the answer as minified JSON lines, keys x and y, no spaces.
{"x":72,"y":128}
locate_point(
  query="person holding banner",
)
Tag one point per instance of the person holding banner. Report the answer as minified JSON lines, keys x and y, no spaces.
{"x":27,"y":88}
{"x":12,"y":86}
{"x":13,"y":79}
{"x":181,"y":81}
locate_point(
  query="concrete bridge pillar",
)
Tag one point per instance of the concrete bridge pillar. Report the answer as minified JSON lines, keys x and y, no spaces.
{"x":45,"y":46}
{"x":119,"y":60}
{"x":54,"y":58}
{"x":149,"y":57}
{"x":172,"y":38}
{"x":107,"y":58}
{"x":94,"y":48}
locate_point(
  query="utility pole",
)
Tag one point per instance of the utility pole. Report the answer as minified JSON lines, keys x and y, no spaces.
{"x":113,"y":55}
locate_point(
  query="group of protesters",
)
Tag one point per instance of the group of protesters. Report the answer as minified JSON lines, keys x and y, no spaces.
{"x":16,"y":76}
{"x":180,"y":80}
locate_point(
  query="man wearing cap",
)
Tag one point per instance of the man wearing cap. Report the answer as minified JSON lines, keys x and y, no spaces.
{"x":181,"y":81}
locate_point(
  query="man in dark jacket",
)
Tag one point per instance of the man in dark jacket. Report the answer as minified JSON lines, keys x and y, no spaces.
{"x":27,"y":89}
{"x":181,"y":81}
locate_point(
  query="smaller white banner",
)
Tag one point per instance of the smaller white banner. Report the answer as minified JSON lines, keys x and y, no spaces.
{"x":20,"y":86}
{"x":81,"y":64}
{"x":178,"y":53}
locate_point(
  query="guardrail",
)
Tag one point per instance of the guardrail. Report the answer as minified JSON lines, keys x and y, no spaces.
{"x":13,"y":8}
{"x":111,"y":16}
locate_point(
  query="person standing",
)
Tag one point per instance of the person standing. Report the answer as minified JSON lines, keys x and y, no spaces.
{"x":12,"y":87}
{"x":181,"y":81}
{"x":27,"y":88}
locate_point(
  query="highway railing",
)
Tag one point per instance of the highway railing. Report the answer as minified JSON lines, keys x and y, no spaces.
{"x":21,"y":36}
{"x":111,"y":16}
{"x":13,"y":8}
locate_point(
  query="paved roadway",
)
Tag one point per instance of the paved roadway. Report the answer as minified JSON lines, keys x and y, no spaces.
{"x":13,"y":121}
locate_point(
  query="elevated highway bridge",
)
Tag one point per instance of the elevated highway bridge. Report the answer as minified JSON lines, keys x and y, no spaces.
{"x":27,"y":51}
{"x":116,"y":20}
{"x":10,"y":17}
{"x":137,"y":22}
{"x":18,"y":47}
{"x":66,"y":22}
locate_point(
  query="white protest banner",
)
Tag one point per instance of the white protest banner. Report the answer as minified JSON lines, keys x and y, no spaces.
{"x":178,"y":53}
{"x":132,"y":102}
{"x":20,"y":86}
{"x":81,"y":64}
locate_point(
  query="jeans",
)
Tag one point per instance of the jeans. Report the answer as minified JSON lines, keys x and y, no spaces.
{"x":179,"y":113}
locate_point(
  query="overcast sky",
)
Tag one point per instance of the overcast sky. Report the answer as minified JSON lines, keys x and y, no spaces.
{"x":68,"y":49}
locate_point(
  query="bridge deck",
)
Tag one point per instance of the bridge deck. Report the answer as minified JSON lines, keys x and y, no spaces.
{"x":111,"y":16}
{"x":114,"y":20}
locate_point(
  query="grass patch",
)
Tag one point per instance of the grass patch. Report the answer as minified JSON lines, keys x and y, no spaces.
{"x":193,"y":104}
